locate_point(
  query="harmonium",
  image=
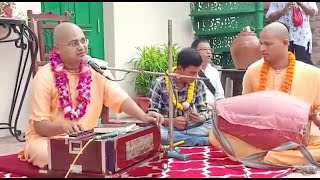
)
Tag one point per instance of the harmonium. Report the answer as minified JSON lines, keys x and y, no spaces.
{"x":96,"y":154}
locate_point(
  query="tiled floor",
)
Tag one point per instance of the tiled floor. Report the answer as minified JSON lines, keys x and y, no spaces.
{"x":10,"y":145}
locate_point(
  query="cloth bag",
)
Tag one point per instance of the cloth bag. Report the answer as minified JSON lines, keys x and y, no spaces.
{"x":297,"y":16}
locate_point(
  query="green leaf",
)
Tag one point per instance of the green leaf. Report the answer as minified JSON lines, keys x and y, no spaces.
{"x":151,"y":58}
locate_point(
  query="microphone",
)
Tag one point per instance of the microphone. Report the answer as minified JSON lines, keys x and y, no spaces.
{"x":93,"y":64}
{"x":96,"y":67}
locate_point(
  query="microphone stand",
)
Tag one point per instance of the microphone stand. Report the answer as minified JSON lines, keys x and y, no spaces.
{"x":171,"y":152}
{"x":150,"y":72}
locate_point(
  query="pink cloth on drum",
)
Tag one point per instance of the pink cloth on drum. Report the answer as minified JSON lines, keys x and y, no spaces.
{"x":265,"y":119}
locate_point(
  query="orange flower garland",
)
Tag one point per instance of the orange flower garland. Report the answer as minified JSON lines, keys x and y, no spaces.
{"x":289,"y":74}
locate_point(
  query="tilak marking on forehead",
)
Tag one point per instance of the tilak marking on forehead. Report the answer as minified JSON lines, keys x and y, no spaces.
{"x":78,"y":34}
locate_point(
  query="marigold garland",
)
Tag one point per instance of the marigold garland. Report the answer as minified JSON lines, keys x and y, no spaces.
{"x":286,"y":85}
{"x":190,"y":91}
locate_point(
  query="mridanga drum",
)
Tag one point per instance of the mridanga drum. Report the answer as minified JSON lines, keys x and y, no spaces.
{"x":265,"y":121}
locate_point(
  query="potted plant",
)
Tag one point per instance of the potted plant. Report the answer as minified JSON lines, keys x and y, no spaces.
{"x":6,"y":9}
{"x":154,"y":59}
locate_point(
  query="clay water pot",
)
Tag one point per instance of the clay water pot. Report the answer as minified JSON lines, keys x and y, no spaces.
{"x":245,"y":49}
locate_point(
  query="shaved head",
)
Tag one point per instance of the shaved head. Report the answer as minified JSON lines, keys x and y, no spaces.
{"x":63,"y":30}
{"x":70,"y":43}
{"x":277,"y":29}
{"x":274,"y":39}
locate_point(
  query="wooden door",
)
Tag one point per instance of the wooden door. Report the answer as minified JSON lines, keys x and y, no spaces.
{"x":88,"y":16}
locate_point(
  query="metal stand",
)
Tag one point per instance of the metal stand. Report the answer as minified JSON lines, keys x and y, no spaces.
{"x":172,"y":152}
{"x":177,"y":155}
{"x":31,"y":46}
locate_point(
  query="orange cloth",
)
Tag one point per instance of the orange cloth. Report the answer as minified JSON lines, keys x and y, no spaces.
{"x":305,"y":85}
{"x":44,"y":106}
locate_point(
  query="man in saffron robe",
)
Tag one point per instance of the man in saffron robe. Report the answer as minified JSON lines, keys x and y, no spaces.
{"x":67,"y":82}
{"x":285,"y":74}
{"x":190,"y":125}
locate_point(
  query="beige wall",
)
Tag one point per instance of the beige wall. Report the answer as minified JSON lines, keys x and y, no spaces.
{"x":8,"y":71}
{"x":8,"y":74}
{"x":130,"y":25}
{"x":22,"y":7}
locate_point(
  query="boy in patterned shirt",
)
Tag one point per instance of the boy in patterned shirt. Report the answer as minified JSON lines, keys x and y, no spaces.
{"x":191,"y":118}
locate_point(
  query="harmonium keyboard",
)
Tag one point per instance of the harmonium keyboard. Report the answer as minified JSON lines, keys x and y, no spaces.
{"x":102,"y":155}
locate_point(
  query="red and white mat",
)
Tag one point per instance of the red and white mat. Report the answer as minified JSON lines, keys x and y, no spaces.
{"x":203,"y":162}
